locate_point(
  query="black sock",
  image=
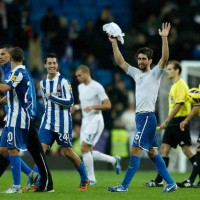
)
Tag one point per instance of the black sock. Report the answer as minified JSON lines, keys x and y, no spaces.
{"x":159,"y":178}
{"x":4,"y":163}
{"x":196,"y":168}
{"x":192,"y":159}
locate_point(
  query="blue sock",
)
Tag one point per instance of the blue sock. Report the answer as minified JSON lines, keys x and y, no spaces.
{"x":83,"y":173}
{"x":25,"y":168}
{"x":15,"y":162}
{"x":162,"y":169}
{"x":132,"y":169}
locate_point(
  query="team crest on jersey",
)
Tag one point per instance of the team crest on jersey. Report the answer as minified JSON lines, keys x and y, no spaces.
{"x":13,"y":78}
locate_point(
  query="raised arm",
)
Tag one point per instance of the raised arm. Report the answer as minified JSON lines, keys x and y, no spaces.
{"x":119,"y":59}
{"x":165,"y":48}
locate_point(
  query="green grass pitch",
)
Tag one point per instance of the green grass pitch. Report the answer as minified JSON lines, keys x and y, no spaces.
{"x":66,"y":184}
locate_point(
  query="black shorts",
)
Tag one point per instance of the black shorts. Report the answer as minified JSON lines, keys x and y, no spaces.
{"x":174,"y":136}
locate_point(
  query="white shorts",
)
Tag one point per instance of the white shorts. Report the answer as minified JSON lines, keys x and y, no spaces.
{"x":91,"y":129}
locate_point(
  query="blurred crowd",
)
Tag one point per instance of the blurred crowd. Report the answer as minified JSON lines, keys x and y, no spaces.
{"x":88,"y":44}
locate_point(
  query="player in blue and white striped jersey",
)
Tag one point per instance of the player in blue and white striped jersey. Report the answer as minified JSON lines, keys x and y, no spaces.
{"x":20,"y":97}
{"x":56,"y":122}
{"x":33,"y":143}
{"x":57,"y":111}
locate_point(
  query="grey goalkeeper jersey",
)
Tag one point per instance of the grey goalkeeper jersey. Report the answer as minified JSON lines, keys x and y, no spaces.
{"x":147,"y":86}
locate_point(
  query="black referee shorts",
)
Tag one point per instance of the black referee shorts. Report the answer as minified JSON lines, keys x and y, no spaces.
{"x":174,"y":136}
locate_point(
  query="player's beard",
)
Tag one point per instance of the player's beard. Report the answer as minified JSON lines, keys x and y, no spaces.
{"x":143,"y":67}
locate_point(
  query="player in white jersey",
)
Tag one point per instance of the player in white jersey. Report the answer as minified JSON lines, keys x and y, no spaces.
{"x":56,"y":122}
{"x":93,"y":100}
{"x":147,"y":85}
{"x":21,"y":109}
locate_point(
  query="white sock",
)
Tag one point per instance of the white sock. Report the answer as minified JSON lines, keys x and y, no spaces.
{"x":89,"y":163}
{"x":103,"y":157}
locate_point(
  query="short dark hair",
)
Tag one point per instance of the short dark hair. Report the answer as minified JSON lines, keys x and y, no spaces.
{"x":176,"y":65}
{"x":145,"y":50}
{"x":7,"y":46}
{"x":50,"y":55}
{"x":17,"y":55}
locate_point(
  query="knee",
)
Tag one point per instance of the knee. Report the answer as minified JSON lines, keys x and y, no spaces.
{"x":165,"y":149}
{"x":3,"y":151}
{"x":85,"y":148}
{"x":136,"y":151}
{"x":13,"y":152}
{"x":68,"y":152}
{"x":152,"y":153}
{"x":187,"y":151}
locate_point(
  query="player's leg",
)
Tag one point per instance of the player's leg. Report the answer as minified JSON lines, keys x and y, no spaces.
{"x":186,"y":143}
{"x":4,"y":163}
{"x":189,"y":183}
{"x":35,"y":148}
{"x":187,"y":150}
{"x":88,"y":160}
{"x":16,"y":140}
{"x":75,"y":159}
{"x":143,"y":140}
{"x":172,"y":137}
{"x":114,"y":160}
{"x":162,"y":170}
{"x":90,"y":134}
{"x":165,"y":149}
{"x":15,"y":163}
{"x":5,"y":159}
{"x":65,"y":140}
{"x":194,"y":159}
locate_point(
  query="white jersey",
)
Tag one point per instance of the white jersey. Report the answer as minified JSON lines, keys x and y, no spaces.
{"x":89,"y":95}
{"x":57,"y":116}
{"x":147,"y":86}
{"x":92,"y":122}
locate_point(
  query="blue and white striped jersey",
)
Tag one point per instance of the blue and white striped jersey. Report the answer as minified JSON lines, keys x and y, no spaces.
{"x":6,"y":72}
{"x":57,"y":115}
{"x":21,"y":99}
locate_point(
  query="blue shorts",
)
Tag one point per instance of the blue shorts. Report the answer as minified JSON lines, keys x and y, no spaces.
{"x":4,"y":135}
{"x":49,"y":137}
{"x":146,"y":129}
{"x":14,"y":138}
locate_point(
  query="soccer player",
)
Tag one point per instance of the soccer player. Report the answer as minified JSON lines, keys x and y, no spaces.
{"x":33,"y":143}
{"x":147,"y":86}
{"x":56,"y":124}
{"x":4,"y":157}
{"x":189,"y":183}
{"x":20,"y":97}
{"x":93,"y":100}
{"x":179,"y":108}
